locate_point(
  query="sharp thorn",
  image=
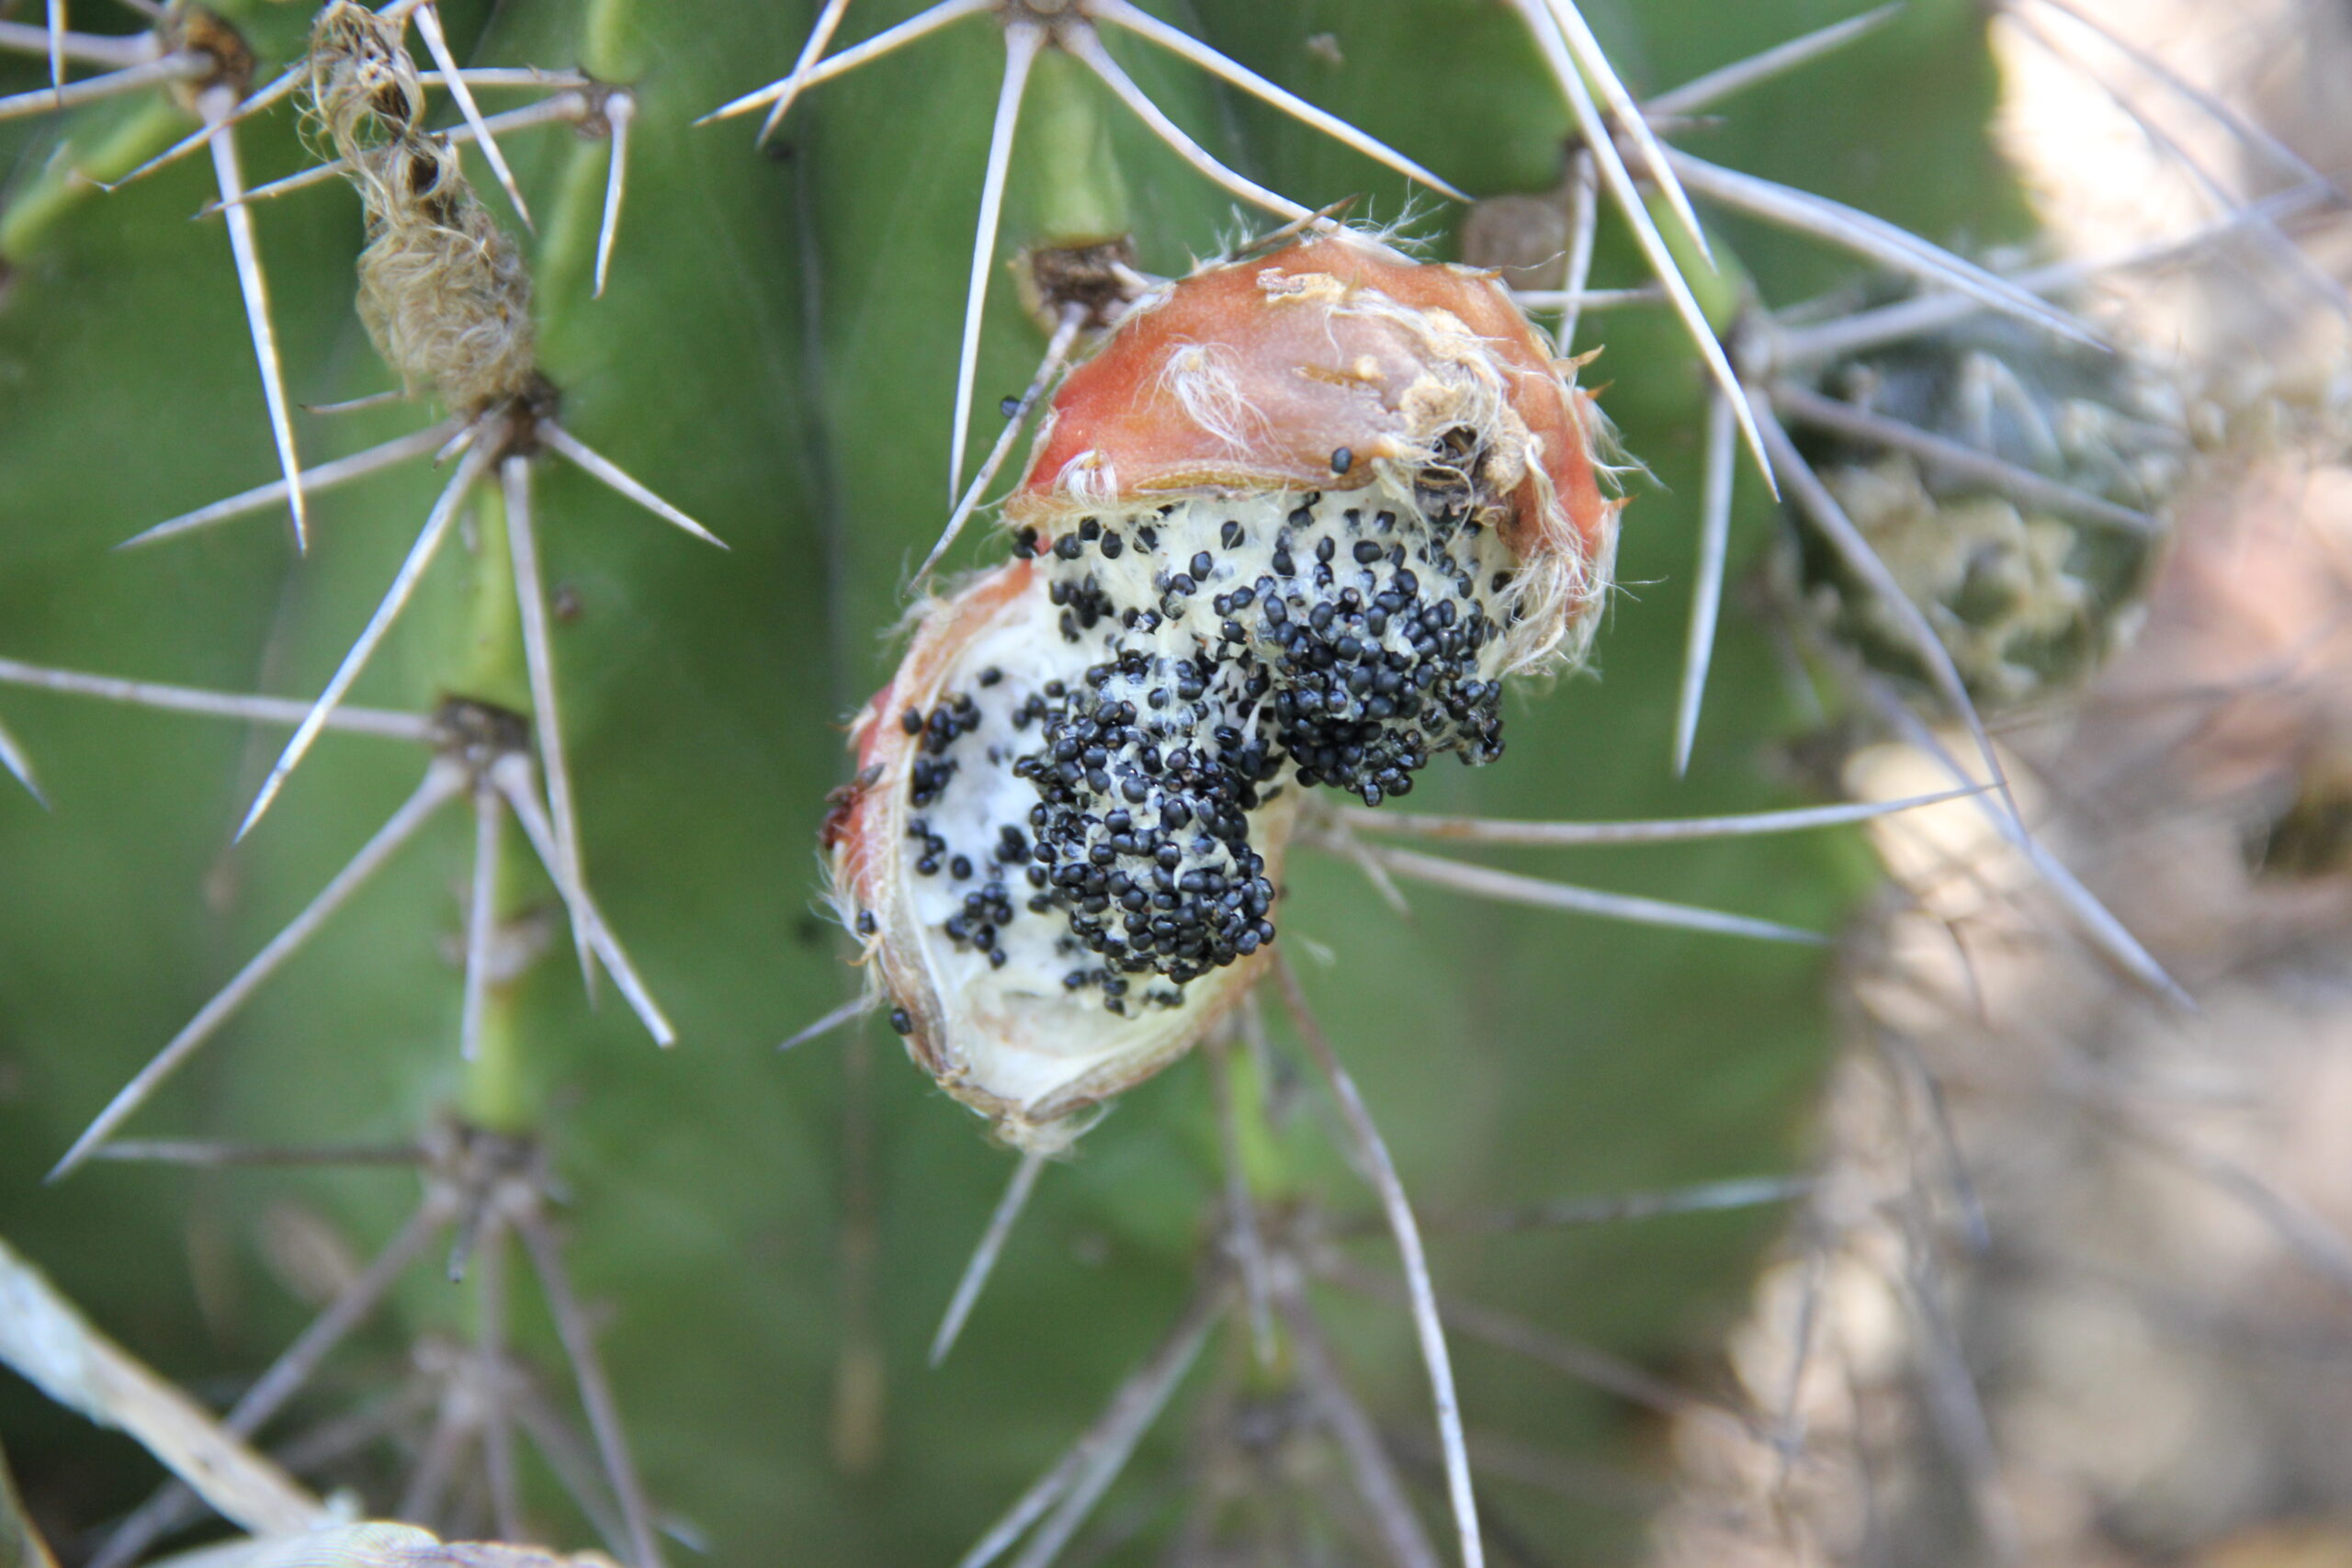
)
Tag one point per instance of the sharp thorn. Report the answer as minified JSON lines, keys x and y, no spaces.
{"x":1049,"y":369}
{"x":281,"y":88}
{"x":811,"y":51}
{"x":112,"y":50}
{"x":1507,"y":886}
{"x":516,"y":781}
{"x":983,"y":1260}
{"x":1707,"y":584}
{"x":1076,"y":1482}
{"x":1379,"y":1171}
{"x":1145,"y":26}
{"x":565,"y":107}
{"x":1809,"y":407}
{"x":324,"y":477}
{"x":114,"y":83}
{"x":420,"y":556}
{"x":441,"y":781}
{"x":1663,"y":830}
{"x":1875,"y":239}
{"x":1584,"y":224}
{"x":285,"y":1377}
{"x":1082,"y":42}
{"x":1854,"y":548}
{"x":1602,"y":148}
{"x":850,"y":59}
{"x":1702,"y":92}
{"x":620,"y":110}
{"x":1711,"y":1197}
{"x":428,"y":26}
{"x":481,"y":919}
{"x":850,"y":1011}
{"x":383,"y":722}
{"x":217,"y":106}
{"x":595,"y":1390}
{"x":1599,"y":71}
{"x":539,"y":663}
{"x":610,"y":474}
{"x":1022,"y":42}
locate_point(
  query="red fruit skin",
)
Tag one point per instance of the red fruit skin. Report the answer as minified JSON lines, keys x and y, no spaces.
{"x":1308,"y":377}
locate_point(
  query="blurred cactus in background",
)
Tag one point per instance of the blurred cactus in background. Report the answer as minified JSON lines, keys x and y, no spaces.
{"x":418,"y":859}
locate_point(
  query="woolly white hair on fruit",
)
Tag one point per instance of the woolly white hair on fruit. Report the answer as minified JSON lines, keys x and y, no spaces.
{"x":1292,"y":525}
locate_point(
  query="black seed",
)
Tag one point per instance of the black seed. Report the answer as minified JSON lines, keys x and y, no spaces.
{"x":1203,"y":564}
{"x":901,"y":1021}
{"x":1067,"y":547}
{"x":866,"y":924}
{"x":911,"y":722}
{"x":1367,"y":552}
{"x":1342,"y":459}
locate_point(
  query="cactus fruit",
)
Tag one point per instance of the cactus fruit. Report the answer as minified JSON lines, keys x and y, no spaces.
{"x":1293,"y":524}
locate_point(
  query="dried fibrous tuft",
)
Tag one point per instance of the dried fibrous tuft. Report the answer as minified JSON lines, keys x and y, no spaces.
{"x":364,"y":90}
{"x":1292,"y":525}
{"x":443,"y":293}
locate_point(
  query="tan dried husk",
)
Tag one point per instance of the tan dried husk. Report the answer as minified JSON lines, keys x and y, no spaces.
{"x":444,"y":292}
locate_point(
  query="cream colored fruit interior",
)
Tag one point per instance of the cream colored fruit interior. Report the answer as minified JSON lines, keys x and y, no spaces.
{"x":1016,"y":1033}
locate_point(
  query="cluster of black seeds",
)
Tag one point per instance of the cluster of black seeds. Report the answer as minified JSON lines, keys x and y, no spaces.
{"x":1373,"y":634}
{"x":1145,"y":840}
{"x":1230,"y":647}
{"x":952,"y":719}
